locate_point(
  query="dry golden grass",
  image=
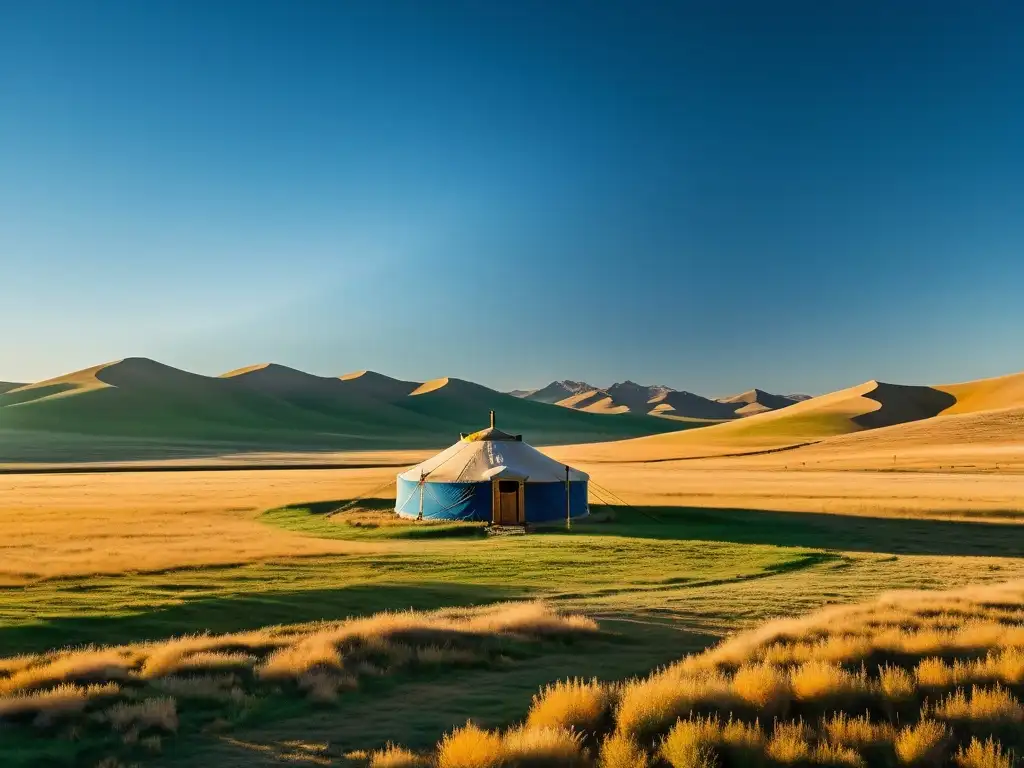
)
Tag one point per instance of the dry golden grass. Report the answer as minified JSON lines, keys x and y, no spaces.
{"x":856,"y":732}
{"x":224,"y":687}
{"x":823,"y":679}
{"x":896,"y":683}
{"x":473,"y":747}
{"x":831,"y":754}
{"x":70,"y":667}
{"x":984,"y":754}
{"x":923,"y":743}
{"x":985,"y":705}
{"x":71,"y":525}
{"x":470,"y":747}
{"x":690,"y":743}
{"x":789,"y":743}
{"x":140,"y":687}
{"x":393,"y":756}
{"x":161,"y":713}
{"x":52,"y":703}
{"x":858,"y":685}
{"x":528,"y":746}
{"x":702,"y":741}
{"x":763,"y":685}
{"x":577,"y":705}
{"x":621,"y":751}
{"x":648,"y":707}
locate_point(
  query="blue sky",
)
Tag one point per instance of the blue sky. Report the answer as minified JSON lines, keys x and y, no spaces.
{"x":798,"y":196}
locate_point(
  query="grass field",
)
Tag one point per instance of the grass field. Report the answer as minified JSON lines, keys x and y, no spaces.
{"x":699,"y":552}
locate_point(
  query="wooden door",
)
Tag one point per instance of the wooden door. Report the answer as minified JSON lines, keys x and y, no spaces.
{"x":507,"y":509}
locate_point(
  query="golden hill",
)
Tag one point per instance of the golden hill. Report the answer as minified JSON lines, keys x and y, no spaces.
{"x":868,"y":406}
{"x":986,"y":394}
{"x":630,"y":397}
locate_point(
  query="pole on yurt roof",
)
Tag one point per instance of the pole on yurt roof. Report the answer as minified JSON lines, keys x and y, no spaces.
{"x":492,"y":419}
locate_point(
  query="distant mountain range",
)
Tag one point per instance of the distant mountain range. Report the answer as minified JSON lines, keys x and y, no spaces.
{"x":656,"y":400}
{"x":139,"y":403}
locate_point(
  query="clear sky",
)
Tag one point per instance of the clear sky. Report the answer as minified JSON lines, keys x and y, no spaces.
{"x":792,"y":195}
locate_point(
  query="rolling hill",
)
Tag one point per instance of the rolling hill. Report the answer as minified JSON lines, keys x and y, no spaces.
{"x":6,"y":386}
{"x":457,"y":401}
{"x":986,"y":394}
{"x":556,"y":391}
{"x":757,"y":401}
{"x":868,"y":406}
{"x":657,"y":400}
{"x":274,"y":407}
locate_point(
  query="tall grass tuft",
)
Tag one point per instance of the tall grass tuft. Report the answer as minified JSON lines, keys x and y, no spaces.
{"x":621,"y":751}
{"x":160,"y":713}
{"x":814,"y":680}
{"x":895,"y":683}
{"x":764,"y":686}
{"x":983,"y":754}
{"x":856,"y":732}
{"x":647,"y":708}
{"x":922,"y":744}
{"x":789,"y":743}
{"x":984,"y":705}
{"x":393,"y":756}
{"x":471,"y":747}
{"x":541,"y":746}
{"x":579,"y":705}
{"x":691,"y":743}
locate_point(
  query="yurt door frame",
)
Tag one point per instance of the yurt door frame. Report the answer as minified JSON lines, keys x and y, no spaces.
{"x":507,"y":502}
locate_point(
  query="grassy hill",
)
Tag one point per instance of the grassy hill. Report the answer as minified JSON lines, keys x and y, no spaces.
{"x":462,"y":402}
{"x":271,"y":406}
{"x":868,"y":406}
{"x":6,"y":386}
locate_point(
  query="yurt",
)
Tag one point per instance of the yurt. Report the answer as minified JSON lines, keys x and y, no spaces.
{"x":495,"y":477}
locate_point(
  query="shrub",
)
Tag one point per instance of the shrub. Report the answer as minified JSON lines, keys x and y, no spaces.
{"x":836,"y":755}
{"x":621,"y":751}
{"x":984,"y":705}
{"x":789,"y":743}
{"x":856,"y":732}
{"x":158,"y":713}
{"x":821,"y":679}
{"x":691,"y":743}
{"x":1006,"y":665}
{"x":541,"y":747}
{"x":764,"y":686}
{"x":986,"y":754}
{"x":896,"y":683}
{"x":470,"y":747}
{"x":571,"y":704}
{"x":647,"y":708}
{"x":921,"y":744}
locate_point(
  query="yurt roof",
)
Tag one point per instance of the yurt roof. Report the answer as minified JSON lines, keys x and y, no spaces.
{"x":477,"y":459}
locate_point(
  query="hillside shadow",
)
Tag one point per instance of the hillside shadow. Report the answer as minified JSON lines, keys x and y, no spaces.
{"x":884,"y":535}
{"x":244,"y":612}
{"x":902,"y":403}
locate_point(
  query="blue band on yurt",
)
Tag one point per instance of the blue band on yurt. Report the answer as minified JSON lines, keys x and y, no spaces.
{"x":542,"y":502}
